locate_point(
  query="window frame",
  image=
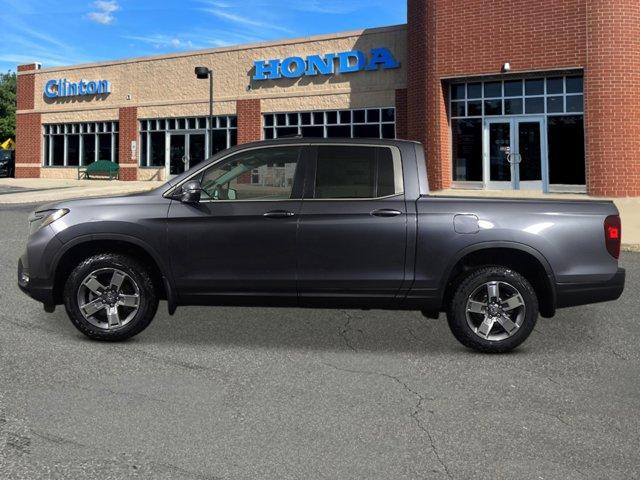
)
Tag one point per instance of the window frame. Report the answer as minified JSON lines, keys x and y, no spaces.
{"x":271,"y":124}
{"x":298,"y":176}
{"x":310,"y":180}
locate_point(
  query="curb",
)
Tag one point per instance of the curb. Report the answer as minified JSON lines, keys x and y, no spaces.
{"x":630,"y":247}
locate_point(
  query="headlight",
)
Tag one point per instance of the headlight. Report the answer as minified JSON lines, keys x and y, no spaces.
{"x":37,"y":220}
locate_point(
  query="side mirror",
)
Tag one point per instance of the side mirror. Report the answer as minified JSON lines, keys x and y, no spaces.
{"x":191,"y":192}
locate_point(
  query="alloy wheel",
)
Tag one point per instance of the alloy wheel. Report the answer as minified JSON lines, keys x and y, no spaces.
{"x":108,"y":298}
{"x":495,"y":311}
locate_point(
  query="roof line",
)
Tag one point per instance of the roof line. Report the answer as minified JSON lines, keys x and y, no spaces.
{"x":231,"y":48}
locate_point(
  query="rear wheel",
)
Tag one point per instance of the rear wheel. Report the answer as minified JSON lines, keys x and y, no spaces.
{"x":110,"y":297}
{"x":493,"y":309}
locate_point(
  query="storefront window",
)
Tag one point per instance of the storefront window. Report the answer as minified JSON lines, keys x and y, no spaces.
{"x":559,"y":100}
{"x":566,"y":150}
{"x":360,"y":123}
{"x":154,"y":133}
{"x":73,"y":144}
{"x":467,"y":149}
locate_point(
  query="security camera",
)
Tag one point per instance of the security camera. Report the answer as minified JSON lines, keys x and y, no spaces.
{"x":506,"y":67}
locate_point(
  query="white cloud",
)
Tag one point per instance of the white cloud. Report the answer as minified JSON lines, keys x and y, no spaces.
{"x":245,"y":21}
{"x":104,"y":10}
{"x":164,"y":41}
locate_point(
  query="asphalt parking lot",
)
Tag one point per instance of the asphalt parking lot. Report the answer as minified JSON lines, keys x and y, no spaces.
{"x":221,"y":393}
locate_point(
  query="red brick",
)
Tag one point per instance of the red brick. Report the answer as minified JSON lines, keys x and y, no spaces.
{"x":249,"y":120}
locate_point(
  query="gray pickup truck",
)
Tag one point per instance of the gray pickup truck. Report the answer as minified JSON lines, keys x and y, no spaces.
{"x":322,"y":223}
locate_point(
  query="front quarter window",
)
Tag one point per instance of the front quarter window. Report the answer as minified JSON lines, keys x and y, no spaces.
{"x":258,"y":174}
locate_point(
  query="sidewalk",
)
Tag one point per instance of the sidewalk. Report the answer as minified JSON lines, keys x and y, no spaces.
{"x":44,"y":190}
{"x":629,"y":208}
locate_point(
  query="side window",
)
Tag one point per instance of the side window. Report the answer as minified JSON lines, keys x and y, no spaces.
{"x":344,"y":171}
{"x":260,"y":174}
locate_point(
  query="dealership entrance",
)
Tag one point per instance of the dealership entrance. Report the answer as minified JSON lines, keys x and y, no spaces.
{"x":514,"y":153}
{"x":186,"y":149}
{"x":518,"y":134}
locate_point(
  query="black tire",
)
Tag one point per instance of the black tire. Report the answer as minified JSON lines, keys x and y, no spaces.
{"x":470,"y":283}
{"x":147,"y":303}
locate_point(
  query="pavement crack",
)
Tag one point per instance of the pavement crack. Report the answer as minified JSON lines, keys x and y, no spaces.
{"x":415,"y":414}
{"x":344,"y":331}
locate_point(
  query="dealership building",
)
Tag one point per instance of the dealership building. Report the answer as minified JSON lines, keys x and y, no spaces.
{"x":507,"y":94}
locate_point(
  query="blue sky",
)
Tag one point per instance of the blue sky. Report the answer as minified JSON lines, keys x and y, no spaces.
{"x":66,"y":33}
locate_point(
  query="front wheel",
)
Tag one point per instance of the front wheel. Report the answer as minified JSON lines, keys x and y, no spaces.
{"x":110,"y":297}
{"x":493,"y":309}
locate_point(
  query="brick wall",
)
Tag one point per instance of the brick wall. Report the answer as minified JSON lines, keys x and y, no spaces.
{"x":474,"y":37}
{"x":401,"y":113}
{"x":28,"y":126}
{"x":128,"y":132}
{"x":612,"y":93}
{"x":249,"y":120}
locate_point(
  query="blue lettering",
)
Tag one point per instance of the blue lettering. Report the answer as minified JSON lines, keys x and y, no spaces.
{"x":318,"y":65}
{"x":382,"y":57}
{"x":298,"y":67}
{"x":267,"y":70}
{"x":72,"y":89}
{"x":104,"y":86}
{"x":346,"y":65}
{"x":50,"y":89}
{"x":81,"y":90}
{"x":92,"y":88}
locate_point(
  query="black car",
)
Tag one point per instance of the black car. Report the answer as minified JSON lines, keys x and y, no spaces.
{"x":7,"y":163}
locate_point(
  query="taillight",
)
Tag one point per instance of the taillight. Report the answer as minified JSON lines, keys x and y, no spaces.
{"x":613,"y":235}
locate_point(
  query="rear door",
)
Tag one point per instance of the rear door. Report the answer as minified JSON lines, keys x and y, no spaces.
{"x":352,"y":231}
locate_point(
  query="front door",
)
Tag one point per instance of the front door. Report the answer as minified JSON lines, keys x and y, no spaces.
{"x":514,"y":153}
{"x":352,"y":233}
{"x":239,"y":242}
{"x":185,"y":151}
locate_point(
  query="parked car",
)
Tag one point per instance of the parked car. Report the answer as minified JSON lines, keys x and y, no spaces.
{"x":7,"y":163}
{"x":322,"y":223}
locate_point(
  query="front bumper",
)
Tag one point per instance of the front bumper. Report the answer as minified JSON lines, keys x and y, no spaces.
{"x":573,"y":294}
{"x":32,"y":287}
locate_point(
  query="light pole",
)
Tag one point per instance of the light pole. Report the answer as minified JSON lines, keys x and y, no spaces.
{"x":202,"y":73}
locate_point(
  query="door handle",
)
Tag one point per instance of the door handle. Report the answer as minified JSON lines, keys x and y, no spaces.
{"x":278,"y":214}
{"x":386,"y":212}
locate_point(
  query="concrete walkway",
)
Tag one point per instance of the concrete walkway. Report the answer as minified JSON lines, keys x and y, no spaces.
{"x":43,"y":190}
{"x":629,"y":208}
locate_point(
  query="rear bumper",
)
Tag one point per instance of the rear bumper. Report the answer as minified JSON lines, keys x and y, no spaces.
{"x":573,"y":294}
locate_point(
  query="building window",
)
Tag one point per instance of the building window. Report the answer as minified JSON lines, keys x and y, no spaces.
{"x":557,"y":99}
{"x":550,"y":96}
{"x":360,"y":123}
{"x":155,"y":132}
{"x":75,"y":144}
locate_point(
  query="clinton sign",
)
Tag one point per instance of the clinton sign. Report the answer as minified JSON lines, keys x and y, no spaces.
{"x":65,"y":88}
{"x":328,"y":64}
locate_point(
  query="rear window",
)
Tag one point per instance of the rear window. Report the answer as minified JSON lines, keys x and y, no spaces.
{"x":357,"y":172}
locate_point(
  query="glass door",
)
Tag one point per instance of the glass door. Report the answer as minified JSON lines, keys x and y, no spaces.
{"x":514,"y":153}
{"x":529,"y":153}
{"x":186,"y":150}
{"x":196,"y":152}
{"x":177,"y":154}
{"x":498,"y":164}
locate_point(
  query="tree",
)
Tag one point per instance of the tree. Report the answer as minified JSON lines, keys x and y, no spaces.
{"x":7,"y":106}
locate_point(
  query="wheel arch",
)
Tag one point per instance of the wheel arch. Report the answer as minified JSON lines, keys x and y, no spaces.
{"x":83,"y":247}
{"x":524,"y":259}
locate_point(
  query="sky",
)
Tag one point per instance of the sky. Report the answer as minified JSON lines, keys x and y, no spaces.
{"x":58,"y":33}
